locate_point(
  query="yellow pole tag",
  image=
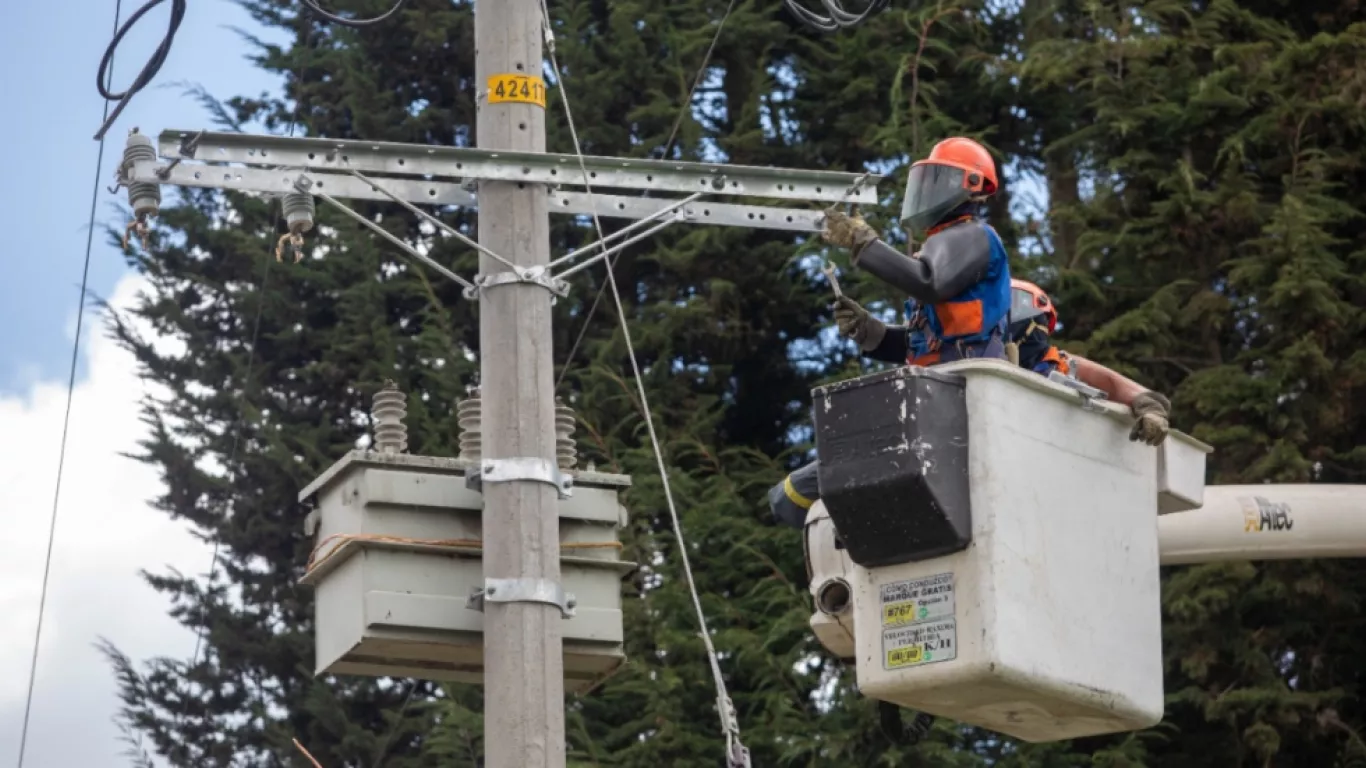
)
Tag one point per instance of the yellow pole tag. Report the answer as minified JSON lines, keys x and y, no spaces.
{"x":517,"y":89}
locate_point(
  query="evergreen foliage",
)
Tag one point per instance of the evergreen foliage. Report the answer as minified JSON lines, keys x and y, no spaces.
{"x":1205,"y":235}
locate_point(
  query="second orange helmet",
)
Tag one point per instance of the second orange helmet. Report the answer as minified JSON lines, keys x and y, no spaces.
{"x":1029,"y":300}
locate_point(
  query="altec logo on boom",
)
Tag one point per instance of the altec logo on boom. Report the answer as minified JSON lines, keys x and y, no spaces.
{"x":1262,"y":515}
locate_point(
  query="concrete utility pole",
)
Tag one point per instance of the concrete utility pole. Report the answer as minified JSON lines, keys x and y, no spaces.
{"x":524,"y":693}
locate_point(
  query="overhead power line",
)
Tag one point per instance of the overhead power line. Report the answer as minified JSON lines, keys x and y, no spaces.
{"x":70,"y":392}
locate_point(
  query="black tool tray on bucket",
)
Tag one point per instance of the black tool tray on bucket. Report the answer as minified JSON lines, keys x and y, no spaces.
{"x":893,"y":450}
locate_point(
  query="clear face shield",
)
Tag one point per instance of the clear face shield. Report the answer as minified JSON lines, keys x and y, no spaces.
{"x":1022,"y":303}
{"x":1024,"y":314}
{"x":932,"y":192}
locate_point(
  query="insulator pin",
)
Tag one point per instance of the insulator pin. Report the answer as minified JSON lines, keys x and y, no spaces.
{"x":469,"y":414}
{"x":566,"y":447}
{"x":388,"y":410}
{"x":143,"y":196}
{"x":299,"y":211}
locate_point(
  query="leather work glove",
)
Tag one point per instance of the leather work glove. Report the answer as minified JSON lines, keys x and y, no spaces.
{"x":1150,"y":411}
{"x":856,"y":323}
{"x":847,"y":231}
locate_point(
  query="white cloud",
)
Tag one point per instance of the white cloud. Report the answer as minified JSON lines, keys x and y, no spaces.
{"x":106,"y":532}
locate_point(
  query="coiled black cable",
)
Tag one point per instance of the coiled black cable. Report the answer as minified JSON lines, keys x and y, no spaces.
{"x":149,"y":70}
{"x":313,"y":6}
{"x":838,"y":18}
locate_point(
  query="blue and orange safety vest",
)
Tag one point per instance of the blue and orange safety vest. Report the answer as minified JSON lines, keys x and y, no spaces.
{"x":970,"y":318}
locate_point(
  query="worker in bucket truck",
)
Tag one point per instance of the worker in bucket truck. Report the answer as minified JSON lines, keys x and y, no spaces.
{"x":1033,"y":319}
{"x":959,"y":281}
{"x":960,"y":277}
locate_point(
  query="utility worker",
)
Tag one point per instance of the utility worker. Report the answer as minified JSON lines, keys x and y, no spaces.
{"x":959,"y":283}
{"x":959,"y":280}
{"x":1033,"y":319}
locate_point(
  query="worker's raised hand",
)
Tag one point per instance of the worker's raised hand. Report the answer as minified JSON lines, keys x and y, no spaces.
{"x":847,"y":231}
{"x":856,"y":323}
{"x":1150,"y":411}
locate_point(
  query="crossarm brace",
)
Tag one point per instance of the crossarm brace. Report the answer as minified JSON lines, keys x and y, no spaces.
{"x":306,"y":185}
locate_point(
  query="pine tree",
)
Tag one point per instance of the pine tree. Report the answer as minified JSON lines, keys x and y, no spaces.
{"x":1204,"y":237}
{"x":280,"y":362}
{"x":1221,"y":263}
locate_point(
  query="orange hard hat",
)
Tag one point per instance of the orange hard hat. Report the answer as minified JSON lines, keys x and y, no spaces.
{"x":1028,"y":301}
{"x":956,"y":171}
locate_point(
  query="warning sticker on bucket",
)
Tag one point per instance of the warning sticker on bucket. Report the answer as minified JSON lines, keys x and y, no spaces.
{"x":916,"y":600}
{"x":920,"y":644}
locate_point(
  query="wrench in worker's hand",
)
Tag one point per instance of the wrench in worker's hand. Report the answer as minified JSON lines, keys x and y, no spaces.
{"x":829,"y":270}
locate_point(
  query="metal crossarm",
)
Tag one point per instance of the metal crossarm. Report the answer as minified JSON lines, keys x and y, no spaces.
{"x":543,"y":168}
{"x":446,"y":193}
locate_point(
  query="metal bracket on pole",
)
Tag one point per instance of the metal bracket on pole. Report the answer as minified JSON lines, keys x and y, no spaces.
{"x":523,"y":591}
{"x":1090,"y":396}
{"x":522,"y":468}
{"x":531,"y":275}
{"x":189,"y":145}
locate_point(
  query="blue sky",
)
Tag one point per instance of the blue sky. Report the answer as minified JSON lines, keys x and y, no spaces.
{"x":50,"y":60}
{"x":105,"y":530}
